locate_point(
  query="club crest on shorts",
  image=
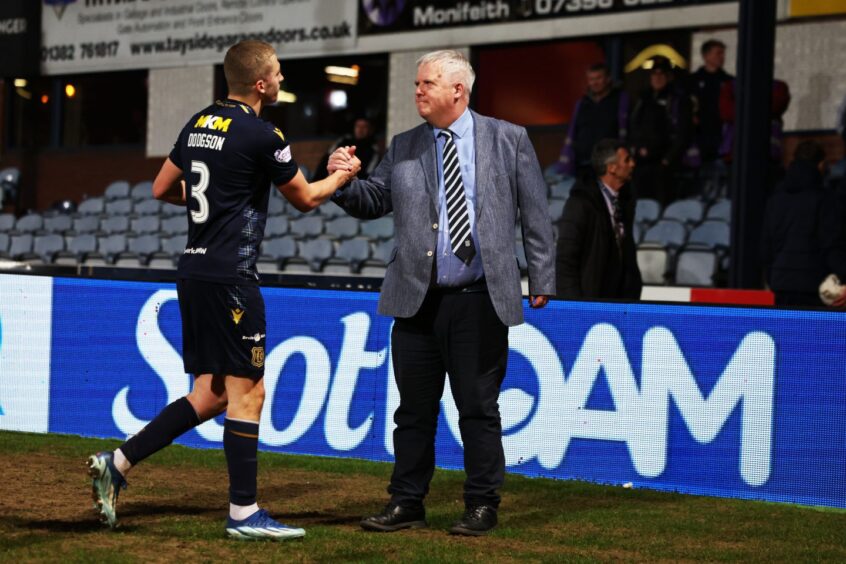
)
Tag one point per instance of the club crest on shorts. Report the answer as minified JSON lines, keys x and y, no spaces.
{"x":258,"y":357}
{"x":236,"y":315}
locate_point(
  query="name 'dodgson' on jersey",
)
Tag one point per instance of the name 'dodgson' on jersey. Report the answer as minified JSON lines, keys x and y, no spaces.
{"x":229,"y":157}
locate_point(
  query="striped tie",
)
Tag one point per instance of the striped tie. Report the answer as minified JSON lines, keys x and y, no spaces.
{"x":458,"y":216}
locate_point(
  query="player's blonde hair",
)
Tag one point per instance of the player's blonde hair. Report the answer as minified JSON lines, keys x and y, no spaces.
{"x":245,"y":63}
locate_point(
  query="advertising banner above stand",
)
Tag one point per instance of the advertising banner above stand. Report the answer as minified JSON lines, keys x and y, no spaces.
{"x":391,"y":16}
{"x":103,"y":35}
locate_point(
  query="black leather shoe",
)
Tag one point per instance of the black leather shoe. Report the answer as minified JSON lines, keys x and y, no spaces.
{"x":477,"y":520}
{"x":394,"y":518}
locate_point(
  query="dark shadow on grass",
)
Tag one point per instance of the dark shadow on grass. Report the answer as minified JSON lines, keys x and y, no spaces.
{"x":81,"y":524}
{"x":136,"y":510}
{"x":305,"y":518}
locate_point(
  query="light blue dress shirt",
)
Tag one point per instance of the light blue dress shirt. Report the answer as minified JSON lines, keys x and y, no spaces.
{"x":451,"y":270}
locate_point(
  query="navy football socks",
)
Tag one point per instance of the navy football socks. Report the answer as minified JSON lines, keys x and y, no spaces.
{"x":171,"y":422}
{"x":240,"y":443}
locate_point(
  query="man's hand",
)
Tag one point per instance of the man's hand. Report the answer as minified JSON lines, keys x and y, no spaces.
{"x":537,"y":302}
{"x":355,"y":167}
{"x":342,"y":159}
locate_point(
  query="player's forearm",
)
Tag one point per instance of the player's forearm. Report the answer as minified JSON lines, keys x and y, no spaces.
{"x":320,"y":191}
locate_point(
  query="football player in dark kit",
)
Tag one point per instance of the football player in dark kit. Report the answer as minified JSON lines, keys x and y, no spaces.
{"x":221,"y":168}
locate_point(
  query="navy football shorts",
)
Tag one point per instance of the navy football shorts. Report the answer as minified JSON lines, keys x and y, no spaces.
{"x":223,"y":328}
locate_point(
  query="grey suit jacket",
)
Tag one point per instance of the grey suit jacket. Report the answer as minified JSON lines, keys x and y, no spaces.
{"x":508,"y":179}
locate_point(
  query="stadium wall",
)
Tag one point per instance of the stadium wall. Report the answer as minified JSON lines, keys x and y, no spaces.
{"x":724,"y":401}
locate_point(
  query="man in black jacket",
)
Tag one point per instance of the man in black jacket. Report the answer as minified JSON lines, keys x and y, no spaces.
{"x":660,"y":131}
{"x":803,"y":234}
{"x":596,"y":256}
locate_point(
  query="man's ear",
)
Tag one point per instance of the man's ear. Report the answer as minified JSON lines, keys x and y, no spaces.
{"x":458,"y":91}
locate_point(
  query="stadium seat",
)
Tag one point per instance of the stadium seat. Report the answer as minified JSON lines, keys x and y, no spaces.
{"x":720,"y":210}
{"x":378,"y":229}
{"x":556,"y":208}
{"x":112,"y":245}
{"x":276,"y":206}
{"x":144,"y":245}
{"x":76,"y":247}
{"x":148,"y":207}
{"x":316,"y":252}
{"x":145,"y":224}
{"x":119,"y":207}
{"x":117,"y":190}
{"x":7,"y":222}
{"x":95,"y":259}
{"x":696,"y":267}
{"x":668,"y":232}
{"x":172,"y":210}
{"x":29,"y":223}
{"x":711,"y":233}
{"x":307,"y":226}
{"x":20,"y":244}
{"x":46,"y":246}
{"x":161,"y":261}
{"x":373,"y":268}
{"x":383,"y":250}
{"x":175,"y":225}
{"x":175,"y":244}
{"x":355,"y":251}
{"x":331,"y":209}
{"x":86,"y":224}
{"x":561,"y":189}
{"x":653,"y":260}
{"x":266,"y":264}
{"x":647,"y":211}
{"x":280,"y":249}
{"x":685,"y":211}
{"x":114,"y":224}
{"x":91,"y":206}
{"x":342,"y":227}
{"x":142,"y":190}
{"x":58,"y":223}
{"x":128,"y":259}
{"x":4,"y":243}
{"x":276,"y":226}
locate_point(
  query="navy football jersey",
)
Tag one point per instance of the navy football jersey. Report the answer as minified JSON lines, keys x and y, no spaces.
{"x":228,"y":157}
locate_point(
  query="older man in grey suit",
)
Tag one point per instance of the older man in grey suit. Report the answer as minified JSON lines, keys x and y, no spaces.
{"x":455,"y":185}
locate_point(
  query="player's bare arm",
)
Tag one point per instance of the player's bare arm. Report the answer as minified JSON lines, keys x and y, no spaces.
{"x":168,"y":185}
{"x":305,"y":197}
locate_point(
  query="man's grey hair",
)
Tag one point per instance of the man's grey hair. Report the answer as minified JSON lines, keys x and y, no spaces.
{"x":453,"y":64}
{"x":604,"y":153}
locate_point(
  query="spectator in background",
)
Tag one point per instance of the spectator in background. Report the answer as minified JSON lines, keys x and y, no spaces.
{"x":595,"y":255}
{"x":705,"y":86}
{"x":660,"y":131}
{"x":366,"y":149}
{"x":603,"y":112}
{"x":803,"y":235}
{"x":779,"y":103}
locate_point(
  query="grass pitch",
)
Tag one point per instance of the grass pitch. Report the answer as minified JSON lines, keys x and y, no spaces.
{"x":175,"y":509}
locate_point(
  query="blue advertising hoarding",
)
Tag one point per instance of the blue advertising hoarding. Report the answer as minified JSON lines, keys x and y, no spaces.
{"x":725,"y":401}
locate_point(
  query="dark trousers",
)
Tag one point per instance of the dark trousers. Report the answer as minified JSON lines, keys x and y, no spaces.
{"x":459,"y":334}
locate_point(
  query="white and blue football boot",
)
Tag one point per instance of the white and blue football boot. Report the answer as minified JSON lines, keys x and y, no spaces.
{"x":260,"y":525}
{"x":106,"y":483}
